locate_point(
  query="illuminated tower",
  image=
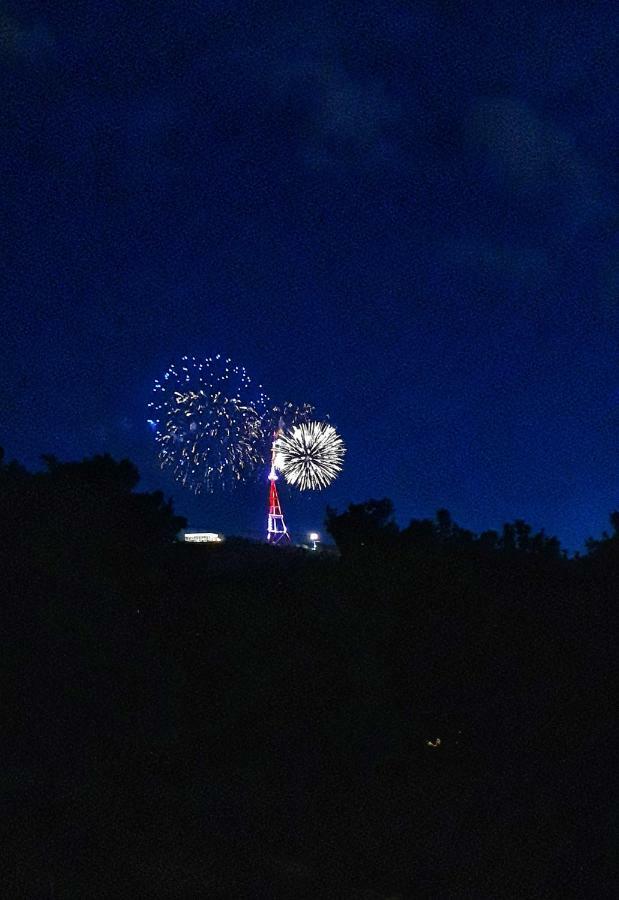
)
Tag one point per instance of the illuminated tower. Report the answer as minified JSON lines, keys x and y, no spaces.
{"x":277,"y":533}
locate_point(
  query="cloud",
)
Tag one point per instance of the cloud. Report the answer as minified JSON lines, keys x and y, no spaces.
{"x":20,"y":42}
{"x":350,"y":120}
{"x":535,"y":161}
{"x":296,"y":75}
{"x":518,"y":261}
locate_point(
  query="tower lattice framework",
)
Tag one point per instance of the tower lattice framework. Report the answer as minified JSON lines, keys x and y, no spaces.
{"x":277,"y":533}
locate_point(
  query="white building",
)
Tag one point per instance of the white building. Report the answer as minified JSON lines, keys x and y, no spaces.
{"x":203,"y":537}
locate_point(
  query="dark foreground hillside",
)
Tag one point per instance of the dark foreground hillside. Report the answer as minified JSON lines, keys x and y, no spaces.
{"x":427,"y":716}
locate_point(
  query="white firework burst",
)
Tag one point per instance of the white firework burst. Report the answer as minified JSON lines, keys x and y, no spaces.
{"x":310,"y":455}
{"x":210,"y":422}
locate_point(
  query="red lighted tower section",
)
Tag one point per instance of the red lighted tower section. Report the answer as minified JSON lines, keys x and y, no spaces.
{"x":277,"y":533}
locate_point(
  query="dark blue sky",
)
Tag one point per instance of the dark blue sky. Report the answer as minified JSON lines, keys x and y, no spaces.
{"x":405,"y":213}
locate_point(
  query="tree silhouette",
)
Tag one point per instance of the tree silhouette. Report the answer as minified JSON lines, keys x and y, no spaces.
{"x":364,"y":528}
{"x":518,"y":538}
{"x":604,"y":551}
{"x":83,"y":516}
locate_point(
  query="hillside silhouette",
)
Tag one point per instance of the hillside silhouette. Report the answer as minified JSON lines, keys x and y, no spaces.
{"x":427,"y":714}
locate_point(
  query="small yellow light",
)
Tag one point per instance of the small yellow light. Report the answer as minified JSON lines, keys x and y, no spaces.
{"x":435,"y":744}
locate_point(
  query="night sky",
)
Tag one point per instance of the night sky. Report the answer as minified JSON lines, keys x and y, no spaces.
{"x":404,"y":213}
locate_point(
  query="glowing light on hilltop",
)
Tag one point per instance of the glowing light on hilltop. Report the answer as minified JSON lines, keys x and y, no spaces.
{"x":310,"y":455}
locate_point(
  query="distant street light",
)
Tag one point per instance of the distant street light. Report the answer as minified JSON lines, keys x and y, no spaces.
{"x":314,"y":538}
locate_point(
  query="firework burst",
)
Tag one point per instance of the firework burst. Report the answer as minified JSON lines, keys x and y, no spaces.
{"x":213,"y":425}
{"x":209,"y":422}
{"x":309,"y":455}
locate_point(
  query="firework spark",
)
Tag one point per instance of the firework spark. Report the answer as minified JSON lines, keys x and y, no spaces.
{"x":309,"y":455}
